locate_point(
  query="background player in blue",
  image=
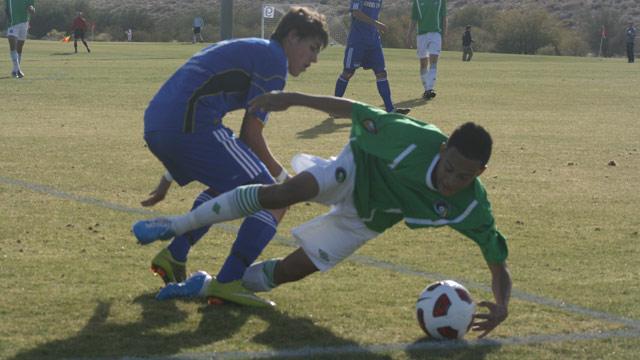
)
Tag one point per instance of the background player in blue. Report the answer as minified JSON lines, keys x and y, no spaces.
{"x":364,"y":49}
{"x":183,"y":129}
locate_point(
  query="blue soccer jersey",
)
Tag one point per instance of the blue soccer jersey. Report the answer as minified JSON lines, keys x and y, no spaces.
{"x":362,"y":32}
{"x":221,"y":78}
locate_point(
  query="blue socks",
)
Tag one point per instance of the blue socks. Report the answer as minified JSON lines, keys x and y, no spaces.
{"x":254,"y":235}
{"x":385,"y":93}
{"x":341,"y":86}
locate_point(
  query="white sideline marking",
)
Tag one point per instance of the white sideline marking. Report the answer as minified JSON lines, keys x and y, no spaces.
{"x":400,"y":347}
{"x":359,"y":259}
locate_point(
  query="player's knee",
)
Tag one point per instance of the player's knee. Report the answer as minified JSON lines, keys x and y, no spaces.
{"x":347,"y":74}
{"x":381,"y":75}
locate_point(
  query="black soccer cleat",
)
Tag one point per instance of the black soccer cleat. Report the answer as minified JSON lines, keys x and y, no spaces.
{"x":428,"y":95}
{"x":403,"y":111}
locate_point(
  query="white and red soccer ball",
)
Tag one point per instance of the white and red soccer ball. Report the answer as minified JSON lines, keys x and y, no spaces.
{"x":445,"y":310}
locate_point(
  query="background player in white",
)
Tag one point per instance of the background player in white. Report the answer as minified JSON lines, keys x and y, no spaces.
{"x":431,"y":18}
{"x":18,"y":14}
{"x":395,"y":168}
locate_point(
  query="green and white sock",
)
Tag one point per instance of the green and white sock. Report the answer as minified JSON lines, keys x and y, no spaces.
{"x":237,"y":203}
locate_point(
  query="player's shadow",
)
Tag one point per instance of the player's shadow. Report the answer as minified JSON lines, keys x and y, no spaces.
{"x":62,"y":53}
{"x":414,"y":103}
{"x":152,"y":335}
{"x":427,"y":348}
{"x":327,"y":126}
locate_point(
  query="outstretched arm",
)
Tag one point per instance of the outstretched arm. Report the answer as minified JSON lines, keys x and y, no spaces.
{"x":280,"y":101}
{"x":498,"y":311}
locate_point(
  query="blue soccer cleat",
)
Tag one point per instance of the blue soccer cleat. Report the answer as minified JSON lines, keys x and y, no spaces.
{"x":148,"y":231}
{"x":194,"y":286}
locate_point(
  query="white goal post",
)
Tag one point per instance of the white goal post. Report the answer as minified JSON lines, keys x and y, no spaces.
{"x":337,"y":19}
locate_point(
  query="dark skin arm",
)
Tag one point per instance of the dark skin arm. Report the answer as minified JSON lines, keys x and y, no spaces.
{"x":498,"y":311}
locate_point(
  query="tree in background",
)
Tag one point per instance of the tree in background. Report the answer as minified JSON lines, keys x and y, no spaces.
{"x":591,"y":29}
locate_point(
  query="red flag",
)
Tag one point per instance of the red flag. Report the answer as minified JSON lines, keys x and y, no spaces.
{"x":604,"y":32}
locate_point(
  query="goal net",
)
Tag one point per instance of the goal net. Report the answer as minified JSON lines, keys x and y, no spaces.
{"x":337,"y":19}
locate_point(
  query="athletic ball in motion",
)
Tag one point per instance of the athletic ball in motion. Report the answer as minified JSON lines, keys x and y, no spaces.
{"x":445,"y":310}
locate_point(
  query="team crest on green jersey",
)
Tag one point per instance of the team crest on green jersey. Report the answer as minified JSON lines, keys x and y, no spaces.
{"x":341,"y":174}
{"x":441,"y":208}
{"x":370,"y":126}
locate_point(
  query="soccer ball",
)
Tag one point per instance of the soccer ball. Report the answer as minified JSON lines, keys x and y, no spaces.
{"x":445,"y":310}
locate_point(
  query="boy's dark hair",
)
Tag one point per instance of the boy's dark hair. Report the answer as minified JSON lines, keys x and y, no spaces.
{"x":472,"y":141}
{"x":306,"y":22}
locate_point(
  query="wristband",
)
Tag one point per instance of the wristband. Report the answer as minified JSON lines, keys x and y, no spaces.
{"x":167,"y":176}
{"x":283,"y":176}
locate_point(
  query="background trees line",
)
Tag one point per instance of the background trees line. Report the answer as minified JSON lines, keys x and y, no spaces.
{"x":522,"y":31}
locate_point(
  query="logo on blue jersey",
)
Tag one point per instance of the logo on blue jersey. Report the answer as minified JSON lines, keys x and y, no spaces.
{"x":371,"y":4}
{"x":441,"y":208}
{"x":341,"y":175}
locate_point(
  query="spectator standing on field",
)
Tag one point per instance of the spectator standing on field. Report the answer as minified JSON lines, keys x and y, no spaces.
{"x":18,"y":14}
{"x":79,"y":28}
{"x":430,"y":16}
{"x":467,"y":50}
{"x":129,"y":33}
{"x":198,"y":24}
{"x":630,"y":37}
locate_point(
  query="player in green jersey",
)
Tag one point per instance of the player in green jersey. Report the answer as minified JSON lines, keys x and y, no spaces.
{"x":431,"y":18}
{"x":18,"y":15}
{"x":394,"y":168}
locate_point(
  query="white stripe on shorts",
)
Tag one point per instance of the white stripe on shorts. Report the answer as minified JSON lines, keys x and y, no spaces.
{"x":237,"y":153}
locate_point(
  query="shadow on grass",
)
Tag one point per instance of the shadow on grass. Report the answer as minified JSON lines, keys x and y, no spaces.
{"x":62,"y":53}
{"x":327,"y":126}
{"x":152,"y":334}
{"x":427,"y":348}
{"x":330,"y":125}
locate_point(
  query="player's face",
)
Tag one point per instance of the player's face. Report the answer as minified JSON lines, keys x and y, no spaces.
{"x":301,"y":53}
{"x":454,"y":172}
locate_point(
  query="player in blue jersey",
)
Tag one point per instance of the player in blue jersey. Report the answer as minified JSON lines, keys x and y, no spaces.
{"x":364,"y":49}
{"x":183,"y":127}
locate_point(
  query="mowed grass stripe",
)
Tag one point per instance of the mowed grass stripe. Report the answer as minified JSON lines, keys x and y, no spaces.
{"x":359,"y":259}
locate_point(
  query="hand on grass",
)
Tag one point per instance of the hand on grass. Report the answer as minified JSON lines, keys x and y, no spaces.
{"x":158,"y":194}
{"x":487,"y":322}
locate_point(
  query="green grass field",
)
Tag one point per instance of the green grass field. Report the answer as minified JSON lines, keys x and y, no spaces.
{"x":74,"y":168}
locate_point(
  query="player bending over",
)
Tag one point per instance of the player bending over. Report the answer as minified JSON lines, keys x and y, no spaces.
{"x":184,"y":128}
{"x":394,"y":168}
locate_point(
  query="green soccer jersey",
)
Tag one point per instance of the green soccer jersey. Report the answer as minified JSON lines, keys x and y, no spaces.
{"x":395,"y":157}
{"x":17,"y":12}
{"x":429,"y":15}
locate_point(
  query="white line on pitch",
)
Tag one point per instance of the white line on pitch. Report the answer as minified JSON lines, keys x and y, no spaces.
{"x":359,"y":259}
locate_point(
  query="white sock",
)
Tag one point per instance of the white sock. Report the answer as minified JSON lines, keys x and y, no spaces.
{"x":431,"y":76}
{"x":15,"y":60}
{"x":234,"y":204}
{"x":259,"y":276}
{"x":424,"y":77}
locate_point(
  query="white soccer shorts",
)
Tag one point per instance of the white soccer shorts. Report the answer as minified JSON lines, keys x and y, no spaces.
{"x":330,"y":238}
{"x":429,"y":44}
{"x":19,"y":31}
